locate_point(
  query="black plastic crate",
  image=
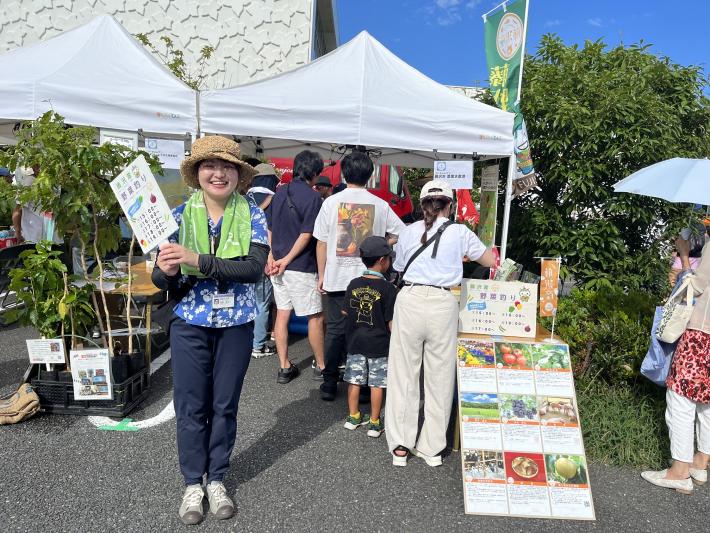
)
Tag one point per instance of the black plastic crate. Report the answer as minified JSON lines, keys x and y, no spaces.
{"x":58,"y":397}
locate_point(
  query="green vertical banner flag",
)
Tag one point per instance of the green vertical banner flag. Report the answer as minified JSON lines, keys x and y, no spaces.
{"x":504,"y":30}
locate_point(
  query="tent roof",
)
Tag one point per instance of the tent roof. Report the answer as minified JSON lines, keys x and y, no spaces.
{"x":97,"y":75}
{"x":359,"y":94}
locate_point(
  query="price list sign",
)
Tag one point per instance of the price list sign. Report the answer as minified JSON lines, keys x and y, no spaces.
{"x":143,"y":203}
{"x":522,"y":452}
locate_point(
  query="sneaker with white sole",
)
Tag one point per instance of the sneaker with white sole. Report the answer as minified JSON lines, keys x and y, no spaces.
{"x":221,"y":505}
{"x":431,"y":460}
{"x":190,"y":511}
{"x":264,"y":351}
{"x":375,"y":429}
{"x":658,"y":478}
{"x":353,"y":423}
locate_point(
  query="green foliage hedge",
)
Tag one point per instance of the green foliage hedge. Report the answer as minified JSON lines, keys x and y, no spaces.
{"x":621,"y":412}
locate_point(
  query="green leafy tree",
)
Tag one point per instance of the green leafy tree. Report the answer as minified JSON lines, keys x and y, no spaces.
{"x":73,"y":183}
{"x":594,"y":116}
{"x":174,"y":59}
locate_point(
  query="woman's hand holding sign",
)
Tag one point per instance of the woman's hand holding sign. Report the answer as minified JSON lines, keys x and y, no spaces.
{"x":173,"y":255}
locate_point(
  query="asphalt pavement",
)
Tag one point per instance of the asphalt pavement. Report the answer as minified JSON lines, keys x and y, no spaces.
{"x":294,"y":468}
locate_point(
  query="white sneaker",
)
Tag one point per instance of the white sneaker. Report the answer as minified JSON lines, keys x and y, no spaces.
{"x":699,"y":476}
{"x":221,"y":505}
{"x":431,"y":460}
{"x":191,"y":507}
{"x":658,"y":478}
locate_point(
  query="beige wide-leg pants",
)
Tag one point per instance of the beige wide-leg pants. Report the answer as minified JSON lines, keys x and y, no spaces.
{"x":424,"y":330}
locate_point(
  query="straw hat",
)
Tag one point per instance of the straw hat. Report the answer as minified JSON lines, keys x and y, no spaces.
{"x":215,"y":147}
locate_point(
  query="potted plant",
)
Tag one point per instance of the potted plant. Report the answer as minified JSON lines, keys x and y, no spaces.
{"x":73,"y":183}
{"x":48,"y":301}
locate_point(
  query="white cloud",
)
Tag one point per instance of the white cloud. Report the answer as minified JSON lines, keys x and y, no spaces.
{"x":448,"y":18}
{"x":483,"y":398}
{"x":446,"y":4}
{"x":596,"y":22}
{"x":473,"y":4}
{"x":552,"y":23}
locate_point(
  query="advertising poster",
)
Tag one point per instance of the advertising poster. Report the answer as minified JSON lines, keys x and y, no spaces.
{"x":522,"y":451}
{"x":458,"y":174}
{"x":144,"y":205}
{"x":549,"y":285}
{"x":489,"y":205}
{"x":91,"y":374}
{"x":45,"y":351}
{"x":489,"y":307}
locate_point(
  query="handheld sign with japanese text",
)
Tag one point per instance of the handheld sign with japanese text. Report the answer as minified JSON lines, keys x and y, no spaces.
{"x":143,"y":203}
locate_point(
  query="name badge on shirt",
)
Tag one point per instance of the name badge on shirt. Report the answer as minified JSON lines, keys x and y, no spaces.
{"x":222,"y":301}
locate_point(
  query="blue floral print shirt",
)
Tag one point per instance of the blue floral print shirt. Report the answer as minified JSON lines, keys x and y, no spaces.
{"x":196,"y":307}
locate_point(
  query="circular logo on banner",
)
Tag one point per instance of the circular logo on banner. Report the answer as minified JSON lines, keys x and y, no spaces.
{"x":509,"y":36}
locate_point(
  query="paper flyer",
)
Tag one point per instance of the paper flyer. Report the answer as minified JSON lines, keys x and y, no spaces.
{"x":47,"y":351}
{"x":91,"y":374}
{"x":522,"y":450}
{"x":143,"y":203}
{"x":492,"y":307}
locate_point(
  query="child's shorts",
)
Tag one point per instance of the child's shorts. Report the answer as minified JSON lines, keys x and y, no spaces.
{"x":371,"y":371}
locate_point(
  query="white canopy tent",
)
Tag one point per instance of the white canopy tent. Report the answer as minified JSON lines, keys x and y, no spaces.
{"x":362,"y":94}
{"x":96,"y":75}
{"x":359,"y":94}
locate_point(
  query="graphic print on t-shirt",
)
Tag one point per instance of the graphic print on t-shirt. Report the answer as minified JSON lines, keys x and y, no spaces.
{"x":355,"y":223}
{"x":363,"y":299}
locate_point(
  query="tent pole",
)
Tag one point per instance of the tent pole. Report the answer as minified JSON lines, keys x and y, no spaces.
{"x":197,"y":113}
{"x":506,"y":209}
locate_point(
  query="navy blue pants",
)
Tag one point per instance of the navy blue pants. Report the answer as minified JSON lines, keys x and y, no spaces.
{"x":209,"y":365}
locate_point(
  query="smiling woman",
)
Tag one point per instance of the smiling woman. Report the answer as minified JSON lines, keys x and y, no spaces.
{"x":213,"y":261}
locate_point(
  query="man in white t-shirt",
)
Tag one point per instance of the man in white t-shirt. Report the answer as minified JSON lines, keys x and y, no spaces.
{"x":344,"y":221}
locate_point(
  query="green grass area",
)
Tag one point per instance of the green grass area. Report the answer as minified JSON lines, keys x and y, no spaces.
{"x":624,"y":425}
{"x":481,"y":412}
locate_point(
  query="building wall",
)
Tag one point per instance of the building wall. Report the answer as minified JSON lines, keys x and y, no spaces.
{"x":253,"y":39}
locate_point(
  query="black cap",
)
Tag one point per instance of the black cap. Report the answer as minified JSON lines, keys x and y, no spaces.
{"x":323,"y":180}
{"x":375,"y":246}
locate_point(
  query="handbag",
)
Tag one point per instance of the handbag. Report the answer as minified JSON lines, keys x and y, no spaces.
{"x":676,"y":313}
{"x":18,"y":406}
{"x":656,"y":364}
{"x":163,"y":313}
{"x":399,"y":282}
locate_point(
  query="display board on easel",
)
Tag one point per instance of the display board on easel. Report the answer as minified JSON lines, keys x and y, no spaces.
{"x":522,"y":452}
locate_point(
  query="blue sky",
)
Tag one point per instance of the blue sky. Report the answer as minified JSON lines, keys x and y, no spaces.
{"x":444,"y":38}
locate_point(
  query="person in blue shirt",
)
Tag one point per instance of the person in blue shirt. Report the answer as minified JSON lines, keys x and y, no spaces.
{"x":215,"y":258}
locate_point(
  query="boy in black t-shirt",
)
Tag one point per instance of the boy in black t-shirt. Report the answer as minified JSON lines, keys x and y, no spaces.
{"x":369,"y":307}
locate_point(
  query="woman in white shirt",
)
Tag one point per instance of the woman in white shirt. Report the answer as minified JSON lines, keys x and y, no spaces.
{"x":425,"y":328}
